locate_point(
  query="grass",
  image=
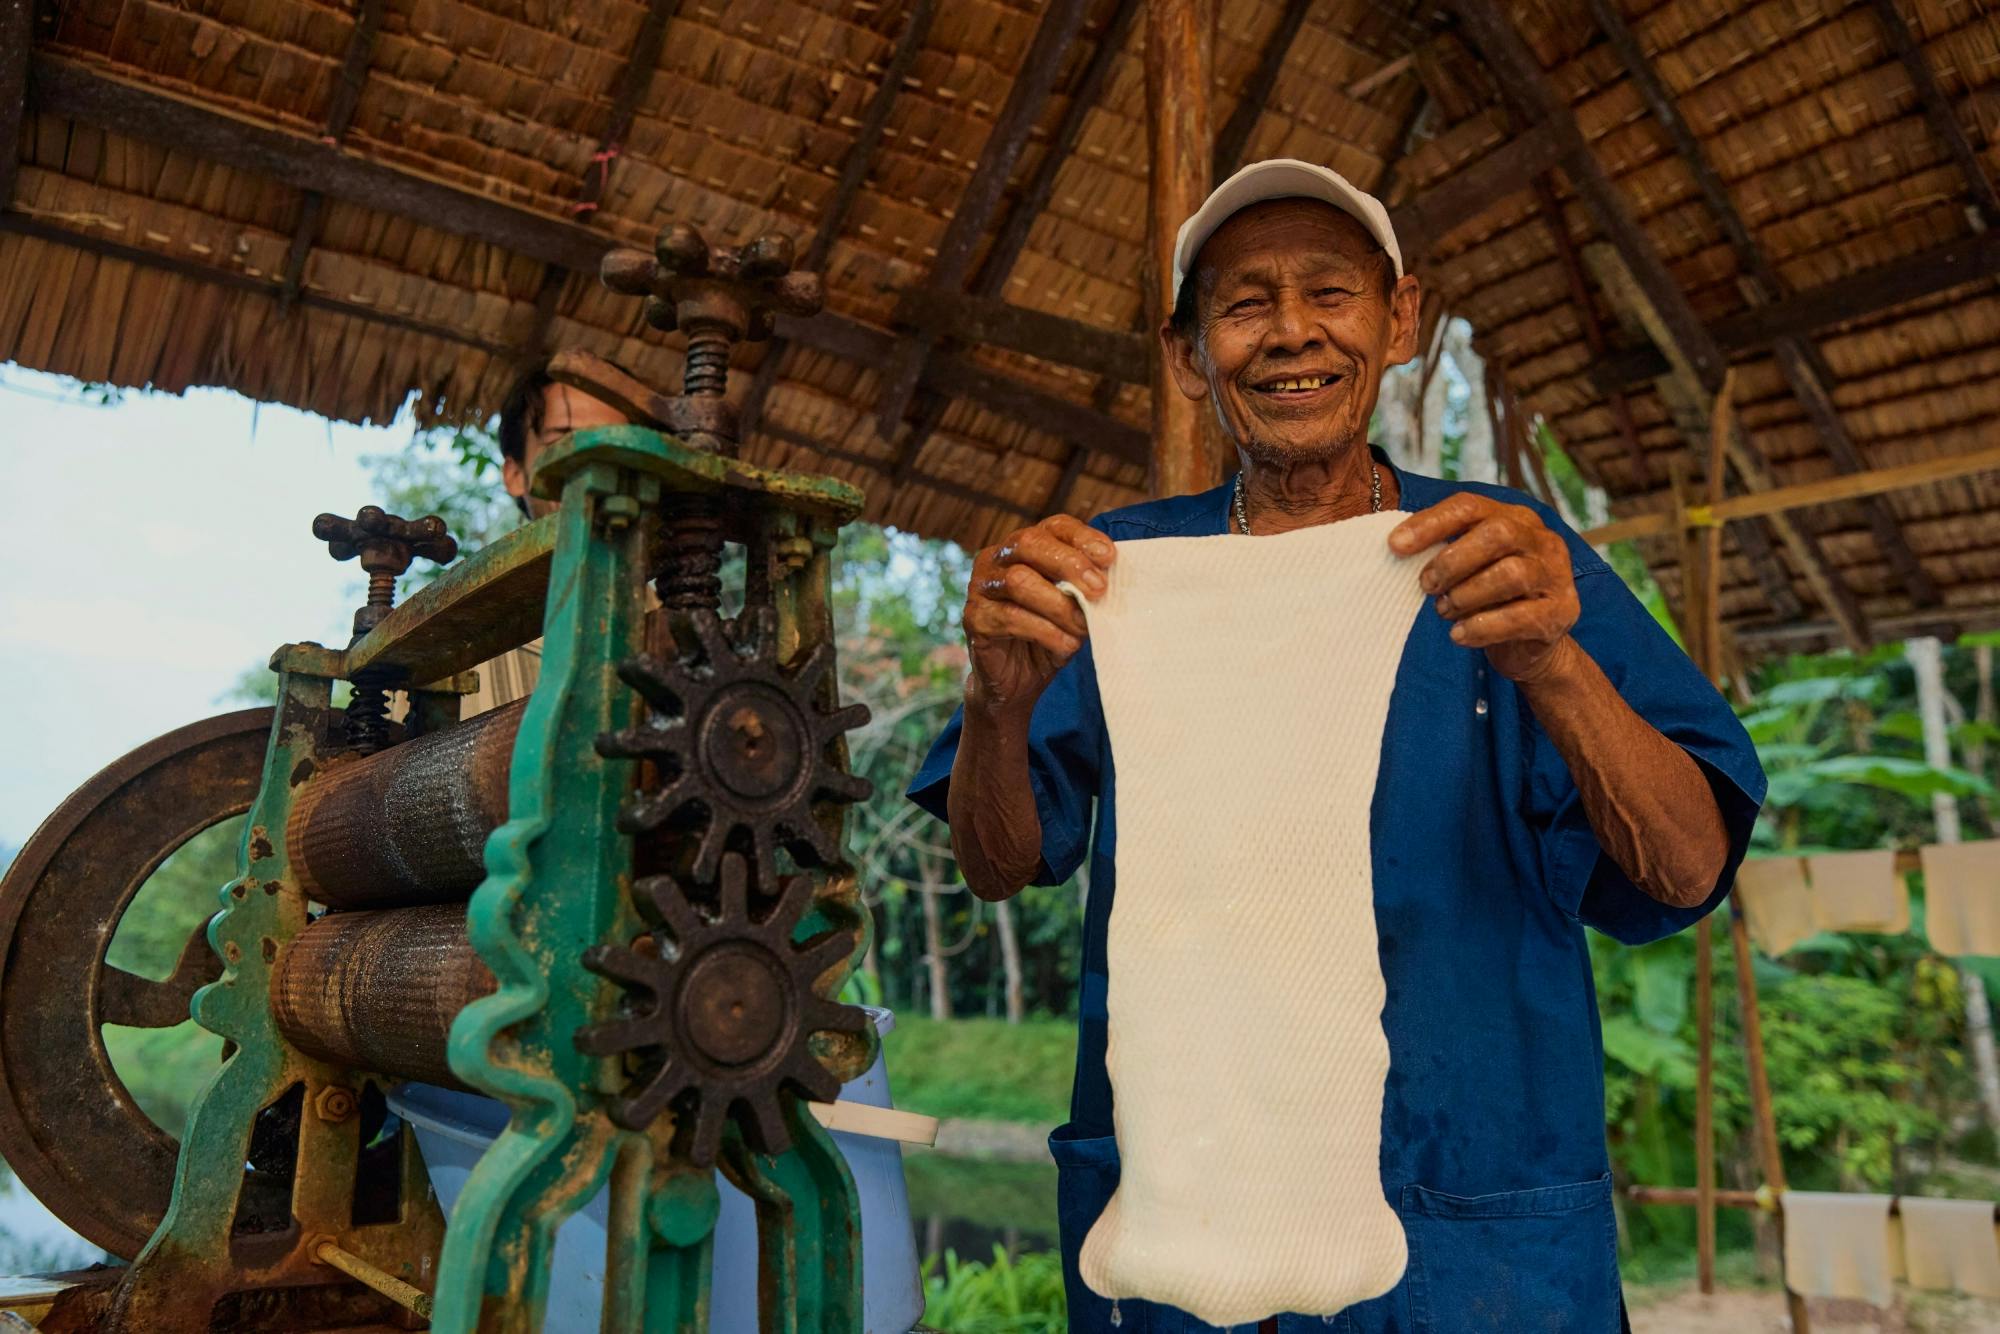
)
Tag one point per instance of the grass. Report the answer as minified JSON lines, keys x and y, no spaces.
{"x":984,"y":1068}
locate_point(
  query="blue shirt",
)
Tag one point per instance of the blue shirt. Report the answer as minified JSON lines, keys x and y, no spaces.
{"x":1486,"y":872}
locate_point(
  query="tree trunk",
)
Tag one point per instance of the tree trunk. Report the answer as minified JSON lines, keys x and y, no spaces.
{"x":1926,"y":656}
{"x":940,"y":976}
{"x":1477,"y":461}
{"x":1010,"y":958}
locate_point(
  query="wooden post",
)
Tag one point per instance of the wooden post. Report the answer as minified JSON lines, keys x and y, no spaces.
{"x":1187,"y":449}
{"x":1701,"y":599}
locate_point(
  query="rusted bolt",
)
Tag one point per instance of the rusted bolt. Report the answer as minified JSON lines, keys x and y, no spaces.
{"x":618,"y":512}
{"x":792,"y":552}
{"x":334,"y":1104}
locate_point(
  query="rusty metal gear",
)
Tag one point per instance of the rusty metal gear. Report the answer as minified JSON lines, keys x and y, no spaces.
{"x":723,"y":1006}
{"x":741,"y":747}
{"x":68,"y":1126}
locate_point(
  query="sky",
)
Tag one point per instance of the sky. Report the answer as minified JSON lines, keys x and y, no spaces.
{"x":153,"y":551}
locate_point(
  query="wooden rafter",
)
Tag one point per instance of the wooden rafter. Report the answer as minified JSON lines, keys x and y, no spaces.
{"x":982,"y":195}
{"x":1473,"y":189}
{"x":1692,"y":406}
{"x":830,"y":334}
{"x":1666,"y":309}
{"x":1821,"y":491}
{"x":642,"y":60}
{"x":1593,"y":327}
{"x":1234,"y":136}
{"x":942,"y":485}
{"x":129,"y":108}
{"x":1937,"y":110}
{"x":1523,"y":81}
{"x":1011,"y":237}
{"x":1799,"y":360}
{"x":17,"y":31}
{"x":853,"y":173}
{"x":1968,"y":259}
{"x":235,"y":280}
{"x":339,"y":115}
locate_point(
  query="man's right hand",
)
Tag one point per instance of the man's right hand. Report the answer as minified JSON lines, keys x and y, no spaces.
{"x":1021,"y":628}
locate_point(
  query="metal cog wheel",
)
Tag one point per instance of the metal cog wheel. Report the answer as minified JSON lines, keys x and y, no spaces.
{"x":729,"y":1003}
{"x":739,"y":739}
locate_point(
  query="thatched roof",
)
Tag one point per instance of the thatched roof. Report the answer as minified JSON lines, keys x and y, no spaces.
{"x":330,"y":206}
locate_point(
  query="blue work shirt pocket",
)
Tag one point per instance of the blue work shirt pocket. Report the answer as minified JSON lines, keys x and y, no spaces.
{"x":1086,"y":1174}
{"x":1543,"y":1259}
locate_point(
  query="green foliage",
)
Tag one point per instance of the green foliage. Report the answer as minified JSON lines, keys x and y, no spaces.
{"x":983,"y":1067}
{"x":1019,"y":1296}
{"x":163,"y":1068}
{"x":453,"y":473}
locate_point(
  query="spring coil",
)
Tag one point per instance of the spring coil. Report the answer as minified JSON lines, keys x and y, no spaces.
{"x":689,"y":574}
{"x":705,"y":374}
{"x":367,"y":718}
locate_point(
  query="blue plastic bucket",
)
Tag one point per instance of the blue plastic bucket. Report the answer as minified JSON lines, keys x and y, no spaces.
{"x":454,"y":1130}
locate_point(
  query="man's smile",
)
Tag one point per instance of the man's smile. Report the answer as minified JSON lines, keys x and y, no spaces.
{"x":1300,"y":389}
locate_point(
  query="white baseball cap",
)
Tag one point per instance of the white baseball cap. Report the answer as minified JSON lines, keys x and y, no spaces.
{"x":1281,"y":178}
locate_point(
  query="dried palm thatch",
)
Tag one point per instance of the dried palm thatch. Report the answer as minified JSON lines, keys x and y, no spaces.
{"x":337,"y":205}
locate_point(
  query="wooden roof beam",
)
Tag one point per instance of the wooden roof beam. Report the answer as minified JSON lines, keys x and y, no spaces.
{"x":1523,"y":81}
{"x":853,"y":174}
{"x":1802,"y":364}
{"x":1470,"y":191}
{"x":17,"y":33}
{"x":1593,"y":327}
{"x":66,"y":88}
{"x":1651,"y":291}
{"x":981,"y":197}
{"x":634,"y":77}
{"x":1937,"y":109}
{"x":1125,"y":356}
{"x":1821,"y":491}
{"x":1968,"y":259}
{"x":1692,"y":406}
{"x":990,"y":279}
{"x":237,"y":281}
{"x":339,"y":115}
{"x":1234,"y":136}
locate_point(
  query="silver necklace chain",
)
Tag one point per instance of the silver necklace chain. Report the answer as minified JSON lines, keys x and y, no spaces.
{"x":1374,"y":496}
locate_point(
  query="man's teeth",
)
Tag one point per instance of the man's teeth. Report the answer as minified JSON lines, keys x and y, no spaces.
{"x":1305,"y":382}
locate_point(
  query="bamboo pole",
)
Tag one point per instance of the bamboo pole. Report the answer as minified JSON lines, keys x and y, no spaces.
{"x":1701,"y":547}
{"x":1926,"y":658}
{"x":1780,"y":499}
{"x":1187,"y":449}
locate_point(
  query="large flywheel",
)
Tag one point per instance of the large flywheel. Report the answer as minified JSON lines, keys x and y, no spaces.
{"x":68,"y":1126}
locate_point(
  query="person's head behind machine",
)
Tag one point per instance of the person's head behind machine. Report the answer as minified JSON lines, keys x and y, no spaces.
{"x":1290,"y":302}
{"x":537,"y":411}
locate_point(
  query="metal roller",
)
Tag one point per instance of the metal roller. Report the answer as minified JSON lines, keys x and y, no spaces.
{"x":408,"y":825}
{"x":377,"y":991}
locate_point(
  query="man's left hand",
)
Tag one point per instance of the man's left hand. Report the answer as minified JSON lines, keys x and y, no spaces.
{"x":1503,"y":581}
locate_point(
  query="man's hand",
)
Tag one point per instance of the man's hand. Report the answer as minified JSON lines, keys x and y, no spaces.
{"x":1503,"y":581}
{"x":1019,"y":626}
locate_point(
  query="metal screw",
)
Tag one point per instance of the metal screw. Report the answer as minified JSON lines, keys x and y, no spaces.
{"x":334,"y":1104}
{"x":386,"y":545}
{"x":618,"y":512}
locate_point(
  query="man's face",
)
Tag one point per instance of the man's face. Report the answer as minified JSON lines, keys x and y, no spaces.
{"x":1294,"y":327}
{"x":563,"y":410}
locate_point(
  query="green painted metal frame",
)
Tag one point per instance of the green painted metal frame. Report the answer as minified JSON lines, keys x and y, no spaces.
{"x":558,"y":881}
{"x":196,"y":1257}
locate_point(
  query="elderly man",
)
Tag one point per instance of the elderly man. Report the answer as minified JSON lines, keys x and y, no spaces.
{"x":1551,"y":760}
